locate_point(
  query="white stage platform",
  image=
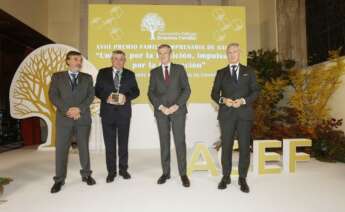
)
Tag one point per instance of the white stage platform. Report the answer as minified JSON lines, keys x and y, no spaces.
{"x":316,"y":186}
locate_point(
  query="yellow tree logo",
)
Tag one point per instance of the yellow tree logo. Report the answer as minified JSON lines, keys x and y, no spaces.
{"x":30,"y":85}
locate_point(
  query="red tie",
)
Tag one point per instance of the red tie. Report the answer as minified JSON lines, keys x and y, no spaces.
{"x":166,"y":74}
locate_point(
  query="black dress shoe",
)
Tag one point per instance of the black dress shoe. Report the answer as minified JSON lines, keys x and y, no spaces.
{"x":185,"y":181}
{"x":56,"y":187}
{"x":111,"y":177}
{"x":226,"y":180}
{"x":243,"y":185}
{"x":89,"y":180}
{"x":163,"y":179}
{"x":125,"y":175}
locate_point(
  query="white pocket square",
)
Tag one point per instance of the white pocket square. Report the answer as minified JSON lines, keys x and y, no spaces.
{"x":245,"y":75}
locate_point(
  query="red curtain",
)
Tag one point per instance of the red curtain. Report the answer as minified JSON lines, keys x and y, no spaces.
{"x":31,"y":131}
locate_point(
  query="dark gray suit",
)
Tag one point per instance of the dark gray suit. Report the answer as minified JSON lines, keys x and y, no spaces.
{"x":176,"y":92}
{"x":62,"y":96}
{"x":232,"y":119}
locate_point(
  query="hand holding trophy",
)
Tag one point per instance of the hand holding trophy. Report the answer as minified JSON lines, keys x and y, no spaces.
{"x":116,"y":98}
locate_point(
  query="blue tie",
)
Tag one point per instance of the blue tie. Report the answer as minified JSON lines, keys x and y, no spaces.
{"x":234,"y":73}
{"x":74,"y":80}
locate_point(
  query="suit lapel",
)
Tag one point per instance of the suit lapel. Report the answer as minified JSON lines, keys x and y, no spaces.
{"x":80,"y":81}
{"x":228,"y":75}
{"x":110,"y":78}
{"x":173,"y":71}
{"x":124,"y":77}
{"x":240,"y":73}
{"x":67,"y":80}
{"x":161,"y":76}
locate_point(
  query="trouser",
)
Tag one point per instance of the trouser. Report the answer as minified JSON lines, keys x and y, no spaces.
{"x":63,"y":142}
{"x":177,"y":124}
{"x":228,"y":129}
{"x":117,"y":130}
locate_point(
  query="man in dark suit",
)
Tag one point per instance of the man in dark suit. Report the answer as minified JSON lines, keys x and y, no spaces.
{"x":168,"y":92}
{"x":235,"y":89}
{"x":116,"y":115}
{"x":72,"y":92}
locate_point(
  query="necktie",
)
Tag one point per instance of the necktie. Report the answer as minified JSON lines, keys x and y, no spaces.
{"x":234,"y":73}
{"x":117,"y":80}
{"x":166,"y":75}
{"x":74,"y":80}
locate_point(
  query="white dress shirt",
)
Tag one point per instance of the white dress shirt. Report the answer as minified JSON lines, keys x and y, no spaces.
{"x":71,"y":77}
{"x":237,"y":69}
{"x":116,"y":70}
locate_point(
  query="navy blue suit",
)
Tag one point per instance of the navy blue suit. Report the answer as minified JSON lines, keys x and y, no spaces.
{"x":116,"y":118}
{"x":235,"y":120}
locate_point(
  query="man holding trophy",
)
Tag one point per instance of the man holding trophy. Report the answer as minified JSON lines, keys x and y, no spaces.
{"x":116,"y":86}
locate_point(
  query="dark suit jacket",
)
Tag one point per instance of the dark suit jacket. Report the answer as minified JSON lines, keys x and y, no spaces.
{"x":246,"y":87}
{"x":105,"y":86}
{"x":177,"y":92}
{"x":62,"y":97}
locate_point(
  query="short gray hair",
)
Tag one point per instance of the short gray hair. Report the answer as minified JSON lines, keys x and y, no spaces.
{"x":164,"y":45}
{"x":118,"y":51}
{"x":232,"y":45}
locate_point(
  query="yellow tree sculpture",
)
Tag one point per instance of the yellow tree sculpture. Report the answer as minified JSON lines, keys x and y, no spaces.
{"x":30,"y":85}
{"x":270,"y":95}
{"x":312,"y":89}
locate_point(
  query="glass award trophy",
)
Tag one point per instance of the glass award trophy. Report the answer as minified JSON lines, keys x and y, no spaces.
{"x":115,"y":96}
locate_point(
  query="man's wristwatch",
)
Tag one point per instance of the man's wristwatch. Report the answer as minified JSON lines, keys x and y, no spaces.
{"x":243,"y":100}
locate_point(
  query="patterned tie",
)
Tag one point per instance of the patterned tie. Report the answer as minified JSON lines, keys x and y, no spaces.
{"x":117,"y":80}
{"x":166,"y":75}
{"x":74,"y":80}
{"x":234,"y":73}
